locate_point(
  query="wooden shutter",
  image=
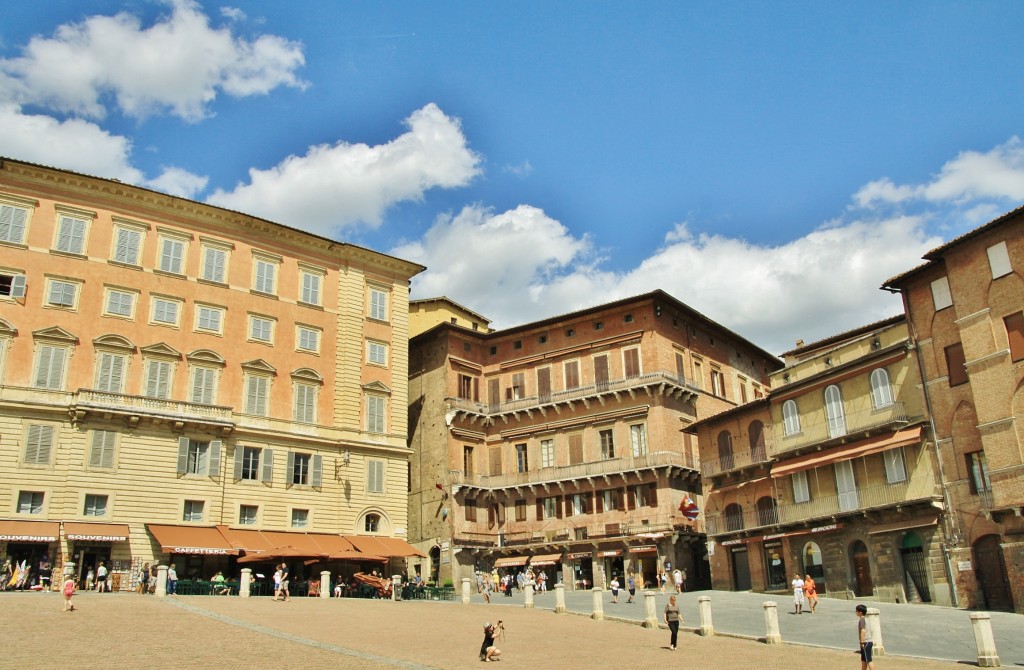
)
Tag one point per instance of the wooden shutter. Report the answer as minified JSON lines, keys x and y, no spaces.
{"x":237,"y":469}
{"x":955,"y":364}
{"x":652,"y":493}
{"x":215,"y":448}
{"x":575,"y":448}
{"x":267,"y":455}
{"x":39,"y":444}
{"x":495,"y":454}
{"x":540,"y":509}
{"x":1015,"y":335}
{"x":586,"y":503}
{"x":568,"y":506}
{"x":491,"y":516}
{"x":558,"y":507}
{"x":102,"y":455}
{"x":182,"y":455}
{"x":544,"y":384}
{"x":289,"y":473}
{"x":599,"y":501}
{"x":631,"y":362}
{"x":318,"y":471}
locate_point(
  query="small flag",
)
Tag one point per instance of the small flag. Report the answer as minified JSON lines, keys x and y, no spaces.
{"x":689,"y":508}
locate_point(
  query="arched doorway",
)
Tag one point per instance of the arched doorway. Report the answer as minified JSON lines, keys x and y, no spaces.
{"x":725,"y":459}
{"x":863,"y":586}
{"x":990,"y":571}
{"x":435,"y":564}
{"x":757,"y":444}
{"x":915,"y":571}
{"x":767,"y":514}
{"x":814,"y":566}
{"x":733,"y":517}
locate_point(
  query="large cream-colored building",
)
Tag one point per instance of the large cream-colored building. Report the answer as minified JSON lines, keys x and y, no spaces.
{"x":178,"y":380}
{"x":558,"y":444}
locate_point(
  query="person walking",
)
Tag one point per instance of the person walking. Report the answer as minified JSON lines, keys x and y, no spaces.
{"x":811,"y":593}
{"x":101,"y":578}
{"x":69,"y":590}
{"x":143,"y":586}
{"x":172,"y":580}
{"x":662,"y":581}
{"x":673,"y":619}
{"x":284,"y":583}
{"x":864,"y":638}
{"x":615,"y":590}
{"x":631,"y":587}
{"x":90,"y":577}
{"x":798,"y":594}
{"x":677,"y":578}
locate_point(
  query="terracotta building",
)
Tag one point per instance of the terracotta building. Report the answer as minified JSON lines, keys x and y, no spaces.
{"x":558,"y":444}
{"x":832,"y":475}
{"x":965,"y":310}
{"x":178,"y":380}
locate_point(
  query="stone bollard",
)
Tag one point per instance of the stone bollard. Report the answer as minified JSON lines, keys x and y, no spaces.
{"x":598,"y":614}
{"x":874,"y":618}
{"x":771,"y":624}
{"x":528,"y":597}
{"x":706,"y":627}
{"x":325,"y":584}
{"x":651,"y":614}
{"x":396,"y":587}
{"x":244,"y":583}
{"x":981,"y":622}
{"x":559,"y":598}
{"x":161,"y":580}
{"x":466,"y":591}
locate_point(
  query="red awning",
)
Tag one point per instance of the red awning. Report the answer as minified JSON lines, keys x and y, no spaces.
{"x":203,"y":540}
{"x":546,"y":559}
{"x":96,"y":532}
{"x":904,"y":525}
{"x":29,"y":531}
{"x":391,"y":547}
{"x":866,"y":447}
{"x":510,"y":561}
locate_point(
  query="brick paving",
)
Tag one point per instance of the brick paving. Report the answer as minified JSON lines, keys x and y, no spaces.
{"x":115,"y":631}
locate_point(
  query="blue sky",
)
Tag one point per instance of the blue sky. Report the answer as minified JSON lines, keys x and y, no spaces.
{"x":770,"y":164}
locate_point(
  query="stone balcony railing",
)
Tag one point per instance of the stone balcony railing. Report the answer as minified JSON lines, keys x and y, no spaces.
{"x":86,"y":400}
{"x":737,"y":460}
{"x":917,"y":488}
{"x":657,"y":459}
{"x":569,"y":530}
{"x":860,"y":417}
{"x":670,"y":382}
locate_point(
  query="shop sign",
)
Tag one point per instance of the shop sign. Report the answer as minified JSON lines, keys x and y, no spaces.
{"x":578,"y":555}
{"x":26,"y":538}
{"x":199,"y":550}
{"x":964,"y":566}
{"x":825,"y":529}
{"x":613,"y":552}
{"x":97,"y":538}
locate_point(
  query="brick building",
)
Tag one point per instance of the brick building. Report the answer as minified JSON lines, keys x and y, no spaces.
{"x":557,"y":444}
{"x":180,"y":382}
{"x":965,"y":311}
{"x":831,"y":475}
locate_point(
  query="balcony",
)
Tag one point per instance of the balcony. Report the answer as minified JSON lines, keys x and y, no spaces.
{"x":860,"y":419}
{"x":565,"y":531}
{"x":738,"y":460}
{"x":918,"y":488}
{"x":552,"y":475}
{"x":655,"y":382}
{"x":135,"y":408}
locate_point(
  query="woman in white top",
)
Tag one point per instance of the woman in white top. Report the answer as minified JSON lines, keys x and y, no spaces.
{"x":798,"y":594}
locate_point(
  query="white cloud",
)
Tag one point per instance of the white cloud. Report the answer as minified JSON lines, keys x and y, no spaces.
{"x":333,"y":186}
{"x":177,"y":65}
{"x":997,"y":173}
{"x":176,"y":181}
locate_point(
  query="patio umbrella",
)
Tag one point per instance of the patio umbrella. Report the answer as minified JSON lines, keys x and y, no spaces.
{"x":277,"y":553}
{"x":349,"y":555}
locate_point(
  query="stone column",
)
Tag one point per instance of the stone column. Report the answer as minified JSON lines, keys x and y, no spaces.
{"x":466,"y":591}
{"x":651,"y":614}
{"x":874,"y":618}
{"x":598,"y":614}
{"x":706,"y":627}
{"x":528,"y":597}
{"x":244,"y":583}
{"x":161,"y":580}
{"x":771,"y":623}
{"x":325,"y":584}
{"x":981,"y":622}
{"x":559,"y":598}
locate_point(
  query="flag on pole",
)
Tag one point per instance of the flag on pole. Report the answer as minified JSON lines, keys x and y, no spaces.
{"x":689,"y":508}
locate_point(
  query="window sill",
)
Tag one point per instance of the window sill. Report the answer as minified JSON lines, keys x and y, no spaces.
{"x":69,"y":254}
{"x":211,"y":282}
{"x":168,"y":273}
{"x":122,"y":264}
{"x":263,"y":294}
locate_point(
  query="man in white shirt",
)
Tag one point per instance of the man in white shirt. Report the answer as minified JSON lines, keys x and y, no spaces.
{"x":101,"y":578}
{"x":798,"y":594}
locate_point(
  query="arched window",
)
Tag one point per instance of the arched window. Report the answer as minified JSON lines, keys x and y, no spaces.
{"x":881,"y":390}
{"x":733,"y":517}
{"x":766,"y":512}
{"x":372,"y":524}
{"x":834,"y":412}
{"x":755,"y":432}
{"x":725,"y":450}
{"x":790,"y":417}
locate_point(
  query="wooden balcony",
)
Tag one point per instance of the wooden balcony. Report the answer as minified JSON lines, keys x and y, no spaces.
{"x":860,"y":420}
{"x":919,"y":488}
{"x":661,"y":382}
{"x":683,"y":462}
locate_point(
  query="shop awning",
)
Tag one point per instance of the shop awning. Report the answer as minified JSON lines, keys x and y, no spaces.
{"x":391,"y":547}
{"x":357,"y":556}
{"x":904,"y":525}
{"x":510,"y":561}
{"x":96,"y":532}
{"x":202,"y":540}
{"x":546,"y":559}
{"x":858,"y":449}
{"x":29,"y":531}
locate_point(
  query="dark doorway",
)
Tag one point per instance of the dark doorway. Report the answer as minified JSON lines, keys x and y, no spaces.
{"x":863,"y":586}
{"x":990,"y":571}
{"x":774,"y":566}
{"x":915,"y":569}
{"x":740,"y":569}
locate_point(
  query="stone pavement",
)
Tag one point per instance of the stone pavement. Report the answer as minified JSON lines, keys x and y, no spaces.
{"x":122,"y":631}
{"x":921,"y":631}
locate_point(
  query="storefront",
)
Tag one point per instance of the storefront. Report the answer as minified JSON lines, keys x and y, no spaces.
{"x":550,"y":565}
{"x":92,"y":543}
{"x":774,"y":566}
{"x":195,"y":551}
{"x":612,"y":564}
{"x":644,"y":564}
{"x":582,"y":565}
{"x":29,"y":549}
